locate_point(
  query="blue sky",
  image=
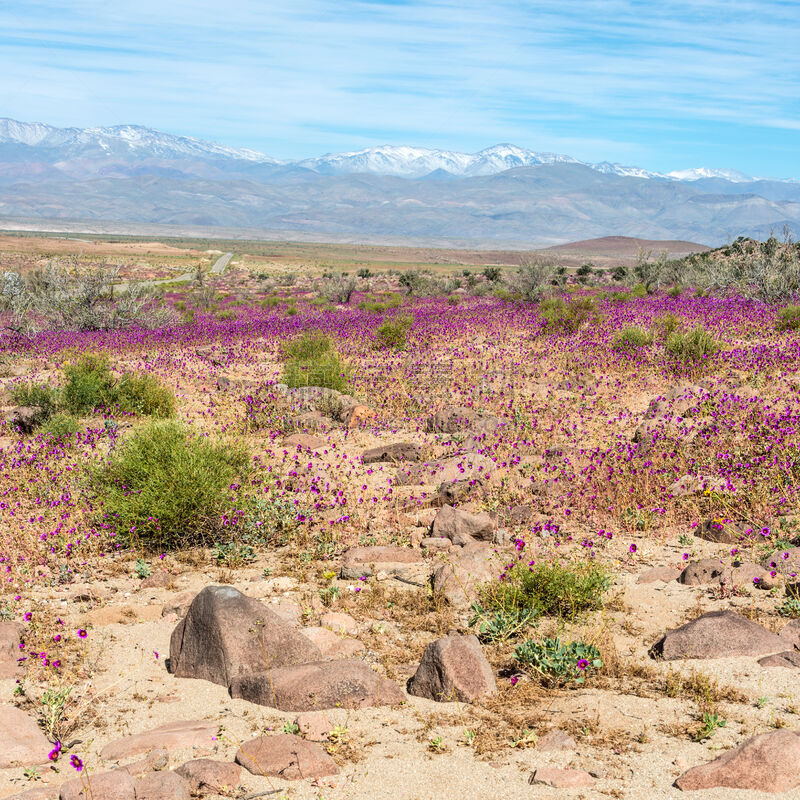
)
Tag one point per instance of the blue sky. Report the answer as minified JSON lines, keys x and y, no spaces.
{"x":664,"y":85}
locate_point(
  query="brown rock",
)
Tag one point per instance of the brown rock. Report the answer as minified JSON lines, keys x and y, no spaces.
{"x":26,"y":418}
{"x":10,"y":638}
{"x":304,"y":441}
{"x":449,"y":494}
{"x":664,"y":574}
{"x":179,"y":604}
{"x":154,"y":761}
{"x":718,"y":634}
{"x":339,"y":623}
{"x":461,"y":527}
{"x":285,"y":756}
{"x":766,"y":763}
{"x":791,"y":632}
{"x":739,"y":573}
{"x":464,"y":467}
{"x":325,"y":684}
{"x":360,"y":416}
{"x":313,"y":725}
{"x":39,"y":793}
{"x":788,"y":658}
{"x":226,"y":634}
{"x":114,"y":785}
{"x":162,"y":786}
{"x":360,"y":562}
{"x":158,"y":580}
{"x":458,"y":579}
{"x":398,"y":451}
{"x":723,"y":531}
{"x":172,"y":736}
{"x":556,"y":740}
{"x":331,"y":645}
{"x":562,"y":778}
{"x":435,"y":543}
{"x":205,"y":774}
{"x":23,"y":744}
{"x":786,"y":562}
{"x":451,"y":420}
{"x":453,"y":668}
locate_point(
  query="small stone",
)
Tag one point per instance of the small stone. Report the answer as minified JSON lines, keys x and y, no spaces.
{"x":285,"y":756}
{"x":663,"y":574}
{"x":23,"y":744}
{"x":205,"y":774}
{"x":556,"y":740}
{"x":10,"y":637}
{"x":304,"y":441}
{"x":154,"y":761}
{"x":158,"y":580}
{"x":562,"y":778}
{"x":162,"y":786}
{"x":399,"y":451}
{"x":114,"y":785}
{"x":339,"y":623}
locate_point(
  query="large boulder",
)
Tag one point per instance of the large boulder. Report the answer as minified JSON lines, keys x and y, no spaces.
{"x":718,"y":634}
{"x":398,"y":451}
{"x":347,"y":683}
{"x":205,"y":774}
{"x":114,"y":785}
{"x":226,"y":634}
{"x":285,"y":756}
{"x":453,"y":668}
{"x":737,"y":573}
{"x":769,"y":762}
{"x":461,"y":527}
{"x":23,"y":744}
{"x":458,"y":579}
{"x":723,"y":531}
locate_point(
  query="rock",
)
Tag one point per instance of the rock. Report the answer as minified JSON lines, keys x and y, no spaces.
{"x":360,"y":416}
{"x":154,"y":761}
{"x":162,"y":786}
{"x":664,"y":574}
{"x":331,"y":645}
{"x":339,"y":623}
{"x":23,"y":744}
{"x":458,"y":579}
{"x":697,"y":484}
{"x":718,"y":634}
{"x":723,"y":531}
{"x":451,"y":419}
{"x":114,"y":785}
{"x":288,"y":610}
{"x":562,"y":778}
{"x":449,"y":494}
{"x":179,"y":604}
{"x":313,"y":725}
{"x":158,"y":580}
{"x":739,"y":573}
{"x":453,"y":668}
{"x":285,"y":756}
{"x":26,"y":418}
{"x":461,"y":527}
{"x":788,"y":658}
{"x":10,"y":638}
{"x":325,"y":684}
{"x":360,"y":562}
{"x":791,"y":633}
{"x":681,"y":401}
{"x":556,"y":740}
{"x":435,"y":544}
{"x":304,"y":441}
{"x":39,"y":793}
{"x":207,"y":775}
{"x":399,"y":451}
{"x":171,"y":736}
{"x":226,"y":634}
{"x":464,"y":467}
{"x":769,"y":762}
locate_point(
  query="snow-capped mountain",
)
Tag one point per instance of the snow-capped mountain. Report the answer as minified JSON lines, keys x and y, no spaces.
{"x":698,"y":173}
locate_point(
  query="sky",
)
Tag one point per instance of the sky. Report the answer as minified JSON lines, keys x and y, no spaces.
{"x":662,"y":85}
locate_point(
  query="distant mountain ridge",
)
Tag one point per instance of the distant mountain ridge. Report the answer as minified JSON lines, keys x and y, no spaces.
{"x":504,"y":193}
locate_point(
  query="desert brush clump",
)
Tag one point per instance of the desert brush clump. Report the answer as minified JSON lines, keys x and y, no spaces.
{"x":630,"y":338}
{"x":310,"y":360}
{"x":164,"y":487}
{"x":557,"y":664}
{"x":788,"y":318}
{"x":693,"y":345}
{"x":392,"y":333}
{"x":562,"y":316}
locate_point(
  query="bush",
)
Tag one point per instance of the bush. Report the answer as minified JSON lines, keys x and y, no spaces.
{"x":639,"y":291}
{"x":667,"y":324}
{"x":533,"y":275}
{"x":163,"y":488}
{"x":492,"y":274}
{"x":788,"y":319}
{"x":36,"y":394}
{"x":617,"y":298}
{"x":694,"y":345}
{"x":89,"y":384}
{"x":550,"y":589}
{"x":567,"y":317}
{"x":630,"y":338}
{"x":311,"y":361}
{"x":557,"y":664}
{"x":143,"y":394}
{"x":392,"y":333}
{"x":60,"y":425}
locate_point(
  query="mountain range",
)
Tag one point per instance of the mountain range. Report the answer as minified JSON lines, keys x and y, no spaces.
{"x":504,"y":193}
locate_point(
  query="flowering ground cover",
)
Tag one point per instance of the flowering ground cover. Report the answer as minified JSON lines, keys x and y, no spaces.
{"x":593,"y":466}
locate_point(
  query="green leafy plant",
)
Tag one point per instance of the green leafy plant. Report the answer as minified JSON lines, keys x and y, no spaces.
{"x":694,"y":345}
{"x":790,"y":607}
{"x":61,"y":425}
{"x":710,"y":723}
{"x":502,"y":624}
{"x":557,"y":664}
{"x":311,"y":361}
{"x":392,"y":333}
{"x":142,"y":569}
{"x":163,"y":487}
{"x":567,"y":317}
{"x":630,"y":338}
{"x":88,"y":385}
{"x":788,"y":319}
{"x":145,"y":395}
{"x":37,"y":394}
{"x":290,"y":727}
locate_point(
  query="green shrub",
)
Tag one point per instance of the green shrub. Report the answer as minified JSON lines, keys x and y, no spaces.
{"x":630,"y":338}
{"x":36,"y":394}
{"x":60,"y":425}
{"x":492,"y":274}
{"x":557,"y":664}
{"x":567,"y":317}
{"x":392,"y":333}
{"x":788,"y":319}
{"x":89,"y":384}
{"x":675,"y":291}
{"x":143,"y":394}
{"x":640,"y":290}
{"x":310,"y":360}
{"x":499,"y":625}
{"x":163,"y":488}
{"x":694,"y":345}
{"x":549,"y":588}
{"x":667,"y":324}
{"x":618,"y":298}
